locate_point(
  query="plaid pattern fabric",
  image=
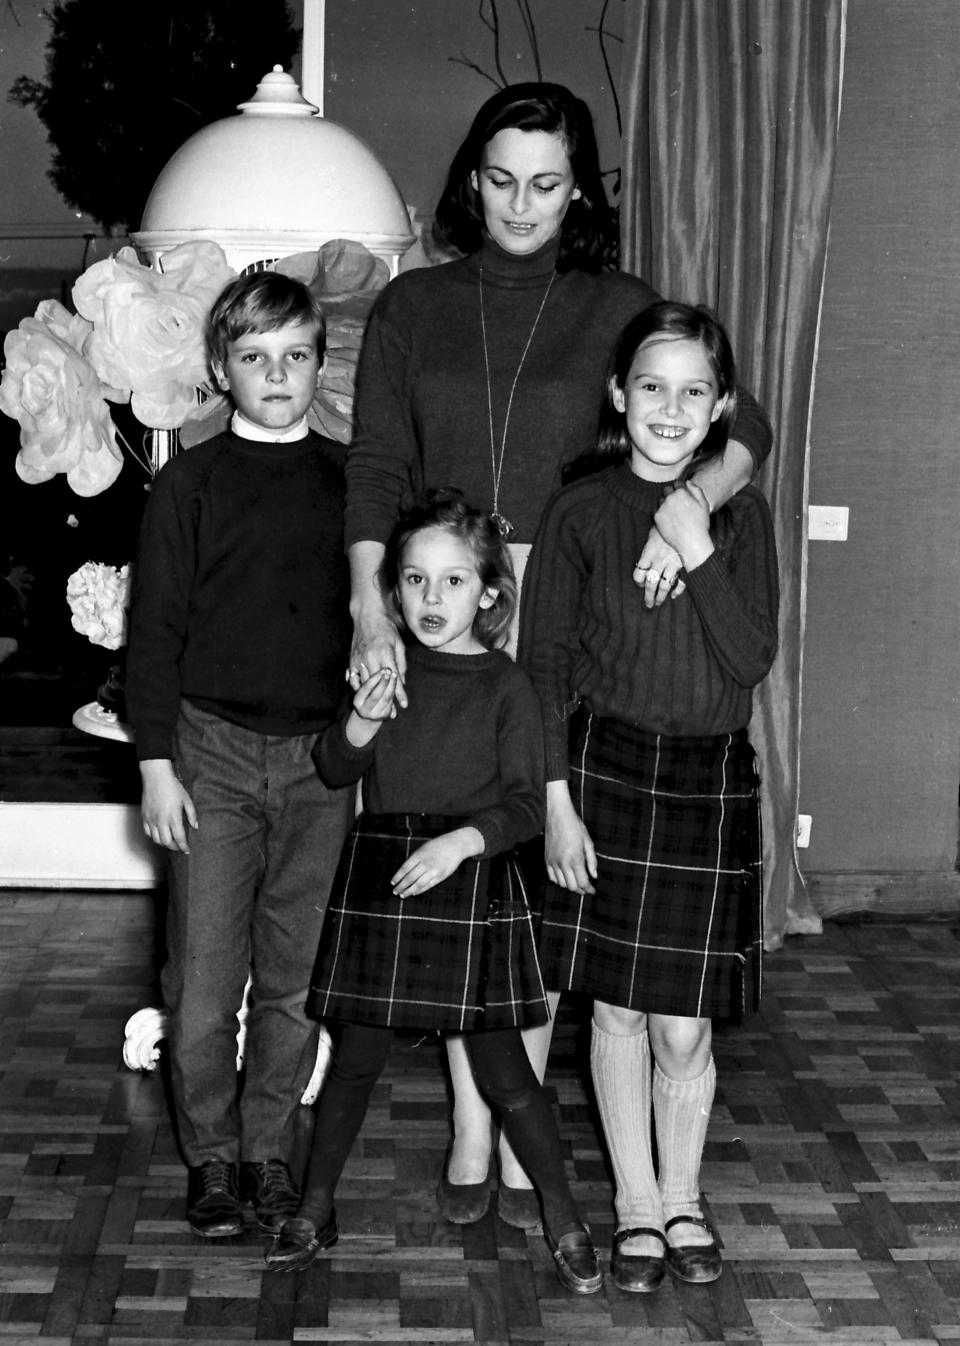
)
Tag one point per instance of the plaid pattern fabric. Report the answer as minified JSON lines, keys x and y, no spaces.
{"x":458,"y":958}
{"x":675,"y":924}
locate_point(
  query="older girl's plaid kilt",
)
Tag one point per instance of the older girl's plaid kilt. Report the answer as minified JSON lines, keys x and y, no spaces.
{"x":675,"y":924}
{"x":458,"y":958}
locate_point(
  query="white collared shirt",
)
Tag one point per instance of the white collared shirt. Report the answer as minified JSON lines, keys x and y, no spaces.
{"x":248,"y":430}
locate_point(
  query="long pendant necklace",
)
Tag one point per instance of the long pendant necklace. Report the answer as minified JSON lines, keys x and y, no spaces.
{"x":496,"y":459}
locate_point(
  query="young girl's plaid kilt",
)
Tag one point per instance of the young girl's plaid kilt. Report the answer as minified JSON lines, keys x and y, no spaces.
{"x":457,"y":958}
{"x":675,"y":924}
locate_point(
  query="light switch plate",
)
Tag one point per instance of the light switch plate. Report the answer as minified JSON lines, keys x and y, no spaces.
{"x":827,"y":523}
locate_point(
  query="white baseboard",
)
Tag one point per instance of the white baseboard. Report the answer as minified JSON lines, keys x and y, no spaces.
{"x":76,"y":846}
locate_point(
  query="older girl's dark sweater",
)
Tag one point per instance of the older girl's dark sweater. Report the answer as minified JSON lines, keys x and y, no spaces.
{"x":684,"y":668}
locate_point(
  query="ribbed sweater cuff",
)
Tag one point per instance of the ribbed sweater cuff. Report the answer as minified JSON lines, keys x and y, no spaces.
{"x":709,"y":580}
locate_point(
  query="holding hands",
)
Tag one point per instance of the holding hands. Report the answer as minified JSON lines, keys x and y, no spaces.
{"x":374,"y":697}
{"x":684,"y":523}
{"x":679,"y":541}
{"x":657,"y":572}
{"x":374,"y":700}
{"x":377,"y":648}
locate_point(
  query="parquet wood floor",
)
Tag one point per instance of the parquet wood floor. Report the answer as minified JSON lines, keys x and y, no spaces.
{"x":832,"y":1169}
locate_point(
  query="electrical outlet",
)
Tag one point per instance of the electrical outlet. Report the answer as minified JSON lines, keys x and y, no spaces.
{"x":827,"y":523}
{"x":804,"y":822}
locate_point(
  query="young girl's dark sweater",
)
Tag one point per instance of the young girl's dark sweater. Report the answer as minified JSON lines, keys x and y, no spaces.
{"x":468,"y":745}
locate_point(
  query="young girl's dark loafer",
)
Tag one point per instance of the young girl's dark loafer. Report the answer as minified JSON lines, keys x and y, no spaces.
{"x":298,"y":1243}
{"x":578,"y":1267}
{"x":637,"y":1273}
{"x":696,"y":1263}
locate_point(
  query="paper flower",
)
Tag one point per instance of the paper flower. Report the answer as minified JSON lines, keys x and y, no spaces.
{"x":142,"y":1034}
{"x":55,"y":394}
{"x":147,"y":343}
{"x":99,"y":596}
{"x":345,"y":278}
{"x":145,"y":1030}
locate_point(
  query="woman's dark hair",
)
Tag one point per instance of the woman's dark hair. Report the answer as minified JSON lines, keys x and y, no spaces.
{"x":673,"y":322}
{"x":587,"y":232}
{"x":446,"y":508}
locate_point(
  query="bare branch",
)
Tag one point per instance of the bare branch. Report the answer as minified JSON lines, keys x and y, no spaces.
{"x":472,"y":65}
{"x":603,"y":38}
{"x":531,"y":30}
{"x":494,"y":25}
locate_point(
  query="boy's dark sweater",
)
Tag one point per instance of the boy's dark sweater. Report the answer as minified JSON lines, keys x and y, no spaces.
{"x":241,"y":590}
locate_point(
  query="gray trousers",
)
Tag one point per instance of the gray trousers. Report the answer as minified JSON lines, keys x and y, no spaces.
{"x":249,"y":900}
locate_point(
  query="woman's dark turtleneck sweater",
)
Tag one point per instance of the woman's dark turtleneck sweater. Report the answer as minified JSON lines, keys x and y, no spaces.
{"x":422,"y":408}
{"x":422,"y":416}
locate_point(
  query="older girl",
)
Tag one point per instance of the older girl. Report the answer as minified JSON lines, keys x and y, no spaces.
{"x":652,"y":834}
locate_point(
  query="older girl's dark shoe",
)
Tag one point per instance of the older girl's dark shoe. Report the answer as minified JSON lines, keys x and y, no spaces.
{"x":696,"y":1263}
{"x":636,"y":1273}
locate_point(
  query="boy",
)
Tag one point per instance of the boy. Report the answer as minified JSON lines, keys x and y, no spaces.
{"x":238,"y":643}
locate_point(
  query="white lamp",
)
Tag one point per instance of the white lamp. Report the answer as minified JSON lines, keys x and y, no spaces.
{"x":274,"y":181}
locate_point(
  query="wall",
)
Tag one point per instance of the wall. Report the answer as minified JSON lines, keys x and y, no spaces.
{"x":394,"y":75}
{"x":880,"y":765}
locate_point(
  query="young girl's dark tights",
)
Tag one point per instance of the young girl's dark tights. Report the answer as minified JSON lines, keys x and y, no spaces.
{"x":503,"y":1074}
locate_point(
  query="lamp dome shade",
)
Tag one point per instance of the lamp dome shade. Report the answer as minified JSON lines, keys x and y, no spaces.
{"x":274,"y":181}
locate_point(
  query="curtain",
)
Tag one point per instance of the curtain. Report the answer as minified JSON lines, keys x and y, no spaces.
{"x":731,"y":110}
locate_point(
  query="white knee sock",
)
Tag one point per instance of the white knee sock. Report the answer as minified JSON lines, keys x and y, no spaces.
{"x":621,"y":1079}
{"x":681,"y":1110}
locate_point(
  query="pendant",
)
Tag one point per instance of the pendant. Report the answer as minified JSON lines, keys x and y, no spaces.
{"x":504,"y":527}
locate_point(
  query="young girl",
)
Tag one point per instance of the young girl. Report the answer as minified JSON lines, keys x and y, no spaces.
{"x":428,"y":924}
{"x":652,"y":834}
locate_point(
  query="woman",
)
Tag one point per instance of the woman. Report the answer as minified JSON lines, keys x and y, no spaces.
{"x":487,"y":374}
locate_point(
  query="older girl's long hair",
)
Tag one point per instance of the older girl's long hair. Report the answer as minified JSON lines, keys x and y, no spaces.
{"x":675,"y":322}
